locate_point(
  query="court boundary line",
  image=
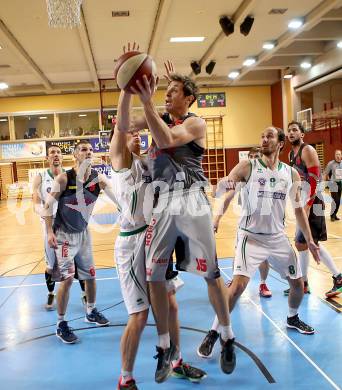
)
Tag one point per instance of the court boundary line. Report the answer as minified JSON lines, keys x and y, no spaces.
{"x":325,"y":376}
{"x":260,"y":365}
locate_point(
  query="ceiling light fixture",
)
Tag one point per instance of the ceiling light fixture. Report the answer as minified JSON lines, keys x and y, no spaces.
{"x":186,"y":39}
{"x":339,"y":44}
{"x":288,"y":76}
{"x":305,"y":65}
{"x":249,"y":61}
{"x":81,"y":115}
{"x":234,"y":74}
{"x":294,"y":24}
{"x":43,"y":117}
{"x":268,"y":45}
{"x":3,"y":120}
{"x":3,"y":86}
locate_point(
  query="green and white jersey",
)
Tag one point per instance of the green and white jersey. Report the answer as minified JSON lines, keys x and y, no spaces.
{"x":264,"y":198}
{"x":45,"y":188}
{"x":133,"y":200}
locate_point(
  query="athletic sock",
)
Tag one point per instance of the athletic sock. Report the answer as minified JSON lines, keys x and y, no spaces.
{"x":226,"y":332}
{"x":216,"y":325}
{"x":304,"y":263}
{"x":262,"y":281}
{"x":90,"y":307}
{"x":125,"y":376}
{"x":292,"y":312}
{"x":328,"y":261}
{"x":177,"y":361}
{"x":50,"y":284}
{"x":60,"y":318}
{"x":164,"y":340}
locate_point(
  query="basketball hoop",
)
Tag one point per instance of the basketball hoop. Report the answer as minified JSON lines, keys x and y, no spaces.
{"x":64,"y":13}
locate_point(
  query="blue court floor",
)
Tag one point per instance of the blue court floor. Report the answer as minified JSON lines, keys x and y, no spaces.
{"x":268,"y":355}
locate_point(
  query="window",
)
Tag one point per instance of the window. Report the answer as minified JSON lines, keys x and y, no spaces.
{"x":34,"y":126}
{"x":76,"y":124}
{"x":4,"y":128}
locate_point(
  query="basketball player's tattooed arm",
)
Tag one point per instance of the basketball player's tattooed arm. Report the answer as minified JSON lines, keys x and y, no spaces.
{"x":58,"y":186}
{"x":118,"y":152}
{"x":301,"y":216}
{"x":310,"y":158}
{"x":37,"y":202}
{"x":229,"y":186}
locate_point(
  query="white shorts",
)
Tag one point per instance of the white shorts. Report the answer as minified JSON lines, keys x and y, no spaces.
{"x":74,"y":248}
{"x":49,"y":253}
{"x":130,"y":266}
{"x":253,"y":249}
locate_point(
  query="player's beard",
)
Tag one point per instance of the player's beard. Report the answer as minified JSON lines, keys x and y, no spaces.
{"x":296,"y":142}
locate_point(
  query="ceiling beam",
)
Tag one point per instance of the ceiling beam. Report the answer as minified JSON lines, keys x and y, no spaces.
{"x":324,"y":31}
{"x":300,"y":48}
{"x":243,"y":10}
{"x":88,"y":52}
{"x":159,"y":23}
{"x":335,"y":14}
{"x":19,"y":50}
{"x":311,"y":20}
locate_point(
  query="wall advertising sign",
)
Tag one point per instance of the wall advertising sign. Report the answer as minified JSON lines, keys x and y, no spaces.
{"x":67,"y":146}
{"x":23,"y":150}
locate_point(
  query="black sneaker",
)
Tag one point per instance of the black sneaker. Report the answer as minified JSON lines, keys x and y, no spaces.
{"x":95,"y":317}
{"x":228,"y":358}
{"x":164,"y":366}
{"x":205,"y":350}
{"x":185,"y":371}
{"x":337,"y":288}
{"x":50,"y":302}
{"x":129,"y":385}
{"x":295,"y":323}
{"x":65,"y":333}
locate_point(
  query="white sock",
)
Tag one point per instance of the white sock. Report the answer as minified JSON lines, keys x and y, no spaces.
{"x":215,"y":326}
{"x":125,"y":376}
{"x":164,"y":340}
{"x":304,"y":263}
{"x":262,"y":281}
{"x":327,"y":260}
{"x":226,"y":332}
{"x":177,"y":359}
{"x":60,"y":318}
{"x":90,"y":307}
{"x":292,"y":311}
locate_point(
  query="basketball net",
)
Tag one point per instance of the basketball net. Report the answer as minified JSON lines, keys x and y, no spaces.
{"x":64,"y":13}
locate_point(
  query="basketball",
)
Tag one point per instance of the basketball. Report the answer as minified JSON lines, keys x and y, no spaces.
{"x":131,"y":67}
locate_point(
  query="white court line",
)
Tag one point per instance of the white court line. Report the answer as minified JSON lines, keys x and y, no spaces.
{"x":43,"y":284}
{"x":333,"y":384}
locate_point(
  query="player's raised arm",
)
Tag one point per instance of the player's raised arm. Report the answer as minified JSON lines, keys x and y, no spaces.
{"x":228,"y":186}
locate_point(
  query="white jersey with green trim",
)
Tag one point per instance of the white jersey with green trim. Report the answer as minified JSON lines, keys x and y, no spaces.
{"x":46,"y":186}
{"x":134,"y":197}
{"x":264,"y":198}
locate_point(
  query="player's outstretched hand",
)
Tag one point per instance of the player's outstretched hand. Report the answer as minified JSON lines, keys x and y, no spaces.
{"x":314,"y":249}
{"x":169,"y":70}
{"x":130,"y":47}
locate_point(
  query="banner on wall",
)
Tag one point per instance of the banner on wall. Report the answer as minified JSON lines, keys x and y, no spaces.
{"x":67,"y":146}
{"x":103,"y":168}
{"x":23,"y":150}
